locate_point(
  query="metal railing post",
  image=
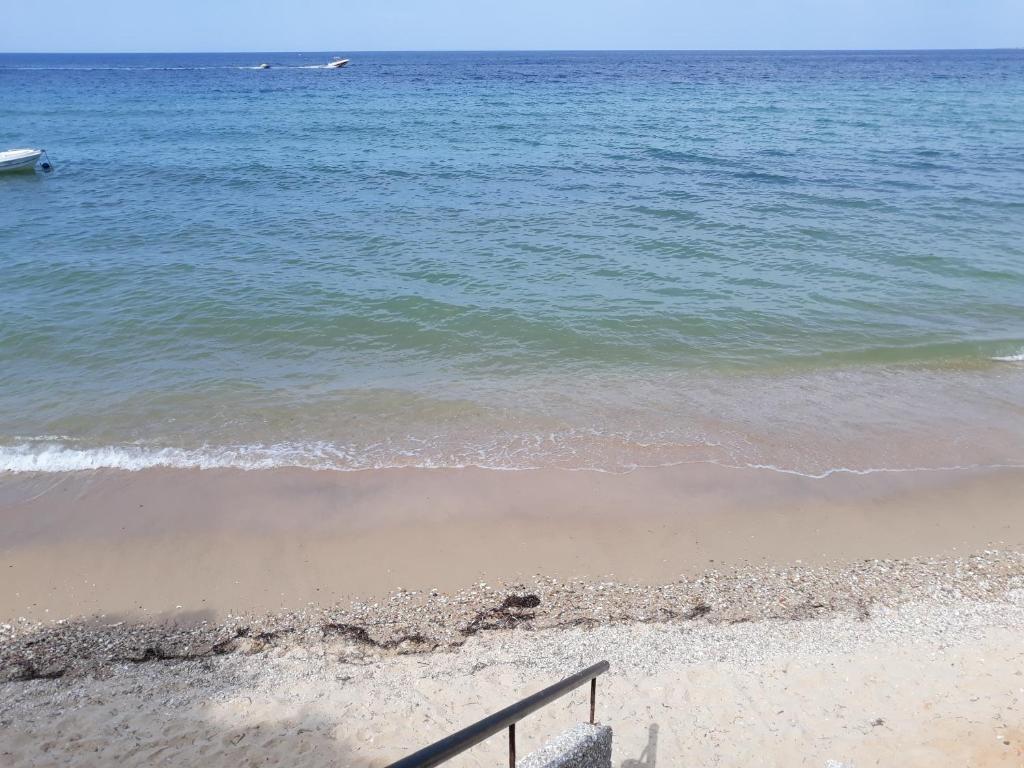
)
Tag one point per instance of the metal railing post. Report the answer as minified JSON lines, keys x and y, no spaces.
{"x":593,"y":698}
{"x":460,"y":741}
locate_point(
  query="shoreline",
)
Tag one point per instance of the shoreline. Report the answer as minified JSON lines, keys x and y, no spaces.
{"x":814,"y":422}
{"x":166,"y":544}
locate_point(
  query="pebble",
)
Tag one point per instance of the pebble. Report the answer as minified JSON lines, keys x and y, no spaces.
{"x":419,"y":622}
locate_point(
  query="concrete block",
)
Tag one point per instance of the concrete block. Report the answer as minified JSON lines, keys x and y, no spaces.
{"x":582,"y":746}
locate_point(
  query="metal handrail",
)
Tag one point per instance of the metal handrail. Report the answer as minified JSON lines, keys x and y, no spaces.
{"x":459,"y":742}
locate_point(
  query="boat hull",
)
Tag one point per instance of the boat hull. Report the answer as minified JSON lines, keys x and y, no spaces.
{"x":19,"y":160}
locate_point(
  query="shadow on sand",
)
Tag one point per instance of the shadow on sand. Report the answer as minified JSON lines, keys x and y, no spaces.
{"x":649,"y":756}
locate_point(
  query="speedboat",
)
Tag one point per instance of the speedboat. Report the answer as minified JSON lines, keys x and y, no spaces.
{"x":20,"y":159}
{"x":337,"y":63}
{"x":263,"y":66}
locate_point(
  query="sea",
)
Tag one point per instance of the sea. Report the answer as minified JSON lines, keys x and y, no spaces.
{"x":810,"y":262}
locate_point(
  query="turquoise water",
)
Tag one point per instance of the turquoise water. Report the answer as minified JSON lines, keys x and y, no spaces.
{"x":807,"y":260}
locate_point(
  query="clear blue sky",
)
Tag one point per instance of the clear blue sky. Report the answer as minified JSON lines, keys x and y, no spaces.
{"x":353,"y":25}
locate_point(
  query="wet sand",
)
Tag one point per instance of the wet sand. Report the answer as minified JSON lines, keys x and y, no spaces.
{"x":189,"y":544}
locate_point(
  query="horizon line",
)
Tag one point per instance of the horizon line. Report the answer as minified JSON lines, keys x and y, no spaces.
{"x":522,"y":50}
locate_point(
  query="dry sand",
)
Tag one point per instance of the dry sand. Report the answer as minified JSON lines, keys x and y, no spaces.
{"x":935,"y":683}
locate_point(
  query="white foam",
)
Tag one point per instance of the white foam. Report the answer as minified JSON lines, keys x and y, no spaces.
{"x":59,"y":458}
{"x":1017,"y":358}
{"x":46,"y":457}
{"x":871,"y":470}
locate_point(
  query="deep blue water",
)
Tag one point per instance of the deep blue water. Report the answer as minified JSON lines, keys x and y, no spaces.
{"x":512,"y":258}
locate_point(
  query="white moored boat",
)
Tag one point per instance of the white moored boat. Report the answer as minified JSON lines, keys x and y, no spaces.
{"x":337,"y":63}
{"x":20,"y":159}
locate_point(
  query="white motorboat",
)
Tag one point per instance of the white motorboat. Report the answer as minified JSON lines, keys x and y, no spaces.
{"x":337,"y":63}
{"x":263,"y":66}
{"x":20,"y":159}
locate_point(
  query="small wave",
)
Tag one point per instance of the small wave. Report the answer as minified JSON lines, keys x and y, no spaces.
{"x":870,"y":470}
{"x":58,"y":458}
{"x":1016,"y":358}
{"x":37,"y":457}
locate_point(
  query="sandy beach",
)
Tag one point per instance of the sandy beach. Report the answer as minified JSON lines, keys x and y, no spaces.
{"x":936,"y":681}
{"x":324,"y":618}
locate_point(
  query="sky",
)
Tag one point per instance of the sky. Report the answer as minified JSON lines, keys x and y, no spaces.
{"x":389,"y":25}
